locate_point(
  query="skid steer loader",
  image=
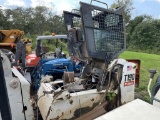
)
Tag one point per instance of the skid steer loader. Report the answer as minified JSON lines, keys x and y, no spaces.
{"x":95,"y":36}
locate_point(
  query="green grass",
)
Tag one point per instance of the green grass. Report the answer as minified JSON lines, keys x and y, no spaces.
{"x":148,"y":61}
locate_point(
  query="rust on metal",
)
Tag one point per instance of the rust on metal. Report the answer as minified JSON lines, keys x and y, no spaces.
{"x":96,"y":112}
{"x":92,"y":99}
{"x":68,"y":77}
{"x":70,"y":101}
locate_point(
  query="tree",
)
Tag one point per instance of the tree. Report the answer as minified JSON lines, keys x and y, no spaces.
{"x":57,"y":25}
{"x":1,"y":18}
{"x":34,"y":21}
{"x":28,"y":20}
{"x":127,"y":8}
{"x":144,"y":34}
{"x":18,"y":18}
{"x":6,"y":20}
{"x":132,"y":25}
{"x":39,"y":19}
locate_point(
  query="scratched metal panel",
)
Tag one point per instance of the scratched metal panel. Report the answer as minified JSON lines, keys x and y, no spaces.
{"x":135,"y":110}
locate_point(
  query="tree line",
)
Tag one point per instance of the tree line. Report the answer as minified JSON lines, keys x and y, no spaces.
{"x":32,"y":20}
{"x":143,"y":34}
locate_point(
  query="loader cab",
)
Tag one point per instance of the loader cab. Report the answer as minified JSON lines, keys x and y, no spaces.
{"x":95,"y":32}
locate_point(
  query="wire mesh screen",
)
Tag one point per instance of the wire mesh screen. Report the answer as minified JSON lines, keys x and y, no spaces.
{"x":76,"y":21}
{"x":108,"y":31}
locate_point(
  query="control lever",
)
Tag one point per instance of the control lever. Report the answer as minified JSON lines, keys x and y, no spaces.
{"x":152,"y":73}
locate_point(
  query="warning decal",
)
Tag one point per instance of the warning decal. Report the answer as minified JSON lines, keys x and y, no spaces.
{"x":129,"y":83}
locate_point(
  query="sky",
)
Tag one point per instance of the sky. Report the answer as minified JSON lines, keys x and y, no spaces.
{"x":148,"y":7}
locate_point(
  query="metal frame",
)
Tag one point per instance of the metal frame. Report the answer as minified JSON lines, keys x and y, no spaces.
{"x":76,"y":45}
{"x":100,"y":2}
{"x":49,"y":37}
{"x":87,"y":21}
{"x":68,"y":16}
{"x":18,"y":90}
{"x":5,"y":111}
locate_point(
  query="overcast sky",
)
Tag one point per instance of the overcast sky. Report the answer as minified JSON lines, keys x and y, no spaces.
{"x":149,"y":7}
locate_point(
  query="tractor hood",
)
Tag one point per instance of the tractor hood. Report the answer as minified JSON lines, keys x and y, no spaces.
{"x":58,"y":66}
{"x":58,"y":61}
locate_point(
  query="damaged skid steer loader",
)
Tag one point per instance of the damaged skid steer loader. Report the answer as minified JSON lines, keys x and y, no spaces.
{"x":96,"y":36}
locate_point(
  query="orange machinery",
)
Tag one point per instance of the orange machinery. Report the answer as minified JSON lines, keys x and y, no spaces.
{"x":9,"y":38}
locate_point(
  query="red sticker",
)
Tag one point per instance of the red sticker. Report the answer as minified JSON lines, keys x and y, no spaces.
{"x":129,"y":83}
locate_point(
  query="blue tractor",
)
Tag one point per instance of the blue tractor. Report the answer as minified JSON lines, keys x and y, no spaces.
{"x":52,"y":63}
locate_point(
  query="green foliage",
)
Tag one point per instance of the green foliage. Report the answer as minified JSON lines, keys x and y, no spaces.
{"x":111,"y":96}
{"x":148,"y":61}
{"x":127,"y":4}
{"x":47,"y":33}
{"x":35,"y":21}
{"x":143,"y":34}
{"x":33,"y":38}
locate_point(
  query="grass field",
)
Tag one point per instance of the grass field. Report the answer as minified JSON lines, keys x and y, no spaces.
{"x":148,"y":61}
